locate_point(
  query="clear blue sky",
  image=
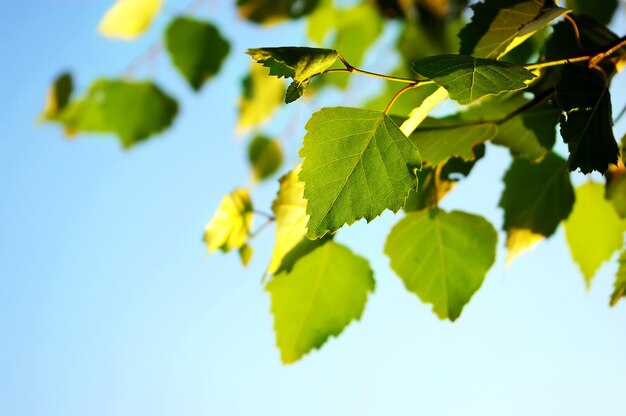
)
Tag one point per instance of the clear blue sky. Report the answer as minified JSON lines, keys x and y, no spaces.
{"x":109,"y":304}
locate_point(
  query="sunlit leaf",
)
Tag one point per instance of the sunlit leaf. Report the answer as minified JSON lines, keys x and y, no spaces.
{"x":197,"y":49}
{"x":325,"y":291}
{"x":438,"y":141}
{"x":600,"y":10}
{"x":133,"y":110}
{"x":586,"y":120}
{"x":357,"y":163}
{"x":442,"y":257}
{"x":499,"y":25}
{"x":245,"y":254}
{"x":59,"y":95}
{"x":620,"y":281}
{"x":536,"y":198}
{"x":274,"y":11}
{"x":468,"y":79}
{"x":231,"y":224}
{"x":593,"y":231}
{"x":265,"y":156}
{"x":128,"y":19}
{"x":261,"y":97}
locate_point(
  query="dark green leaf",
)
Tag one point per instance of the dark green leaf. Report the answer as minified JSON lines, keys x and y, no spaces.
{"x":616,"y":194}
{"x":620,"y":281}
{"x":438,"y":141}
{"x":357,"y":163}
{"x":586,"y":120}
{"x":468,"y":79}
{"x":274,"y":11}
{"x":536,"y":198}
{"x":59,"y":96}
{"x":601,"y":10}
{"x":442,"y":257}
{"x":294,"y":91}
{"x":325,"y":291}
{"x":265,"y":156}
{"x":196,"y":48}
{"x":134,"y":110}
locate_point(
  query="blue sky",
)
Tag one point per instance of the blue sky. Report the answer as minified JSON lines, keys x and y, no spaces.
{"x":110,"y":306}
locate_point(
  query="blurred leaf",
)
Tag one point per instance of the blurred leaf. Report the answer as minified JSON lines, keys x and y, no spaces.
{"x":593,"y":231}
{"x":536,"y":198}
{"x":438,"y":140}
{"x":468,"y":79}
{"x":586,"y":121}
{"x":289,"y":209}
{"x":357,"y":164}
{"x":498,"y":26}
{"x":59,"y":95}
{"x":616,"y":194}
{"x":442,"y":257}
{"x":134,"y":110}
{"x":196,"y":48}
{"x":620,"y":281}
{"x":265,"y":156}
{"x":261,"y":97}
{"x":274,"y":11}
{"x":128,"y":19}
{"x":600,"y":10}
{"x":298,"y":63}
{"x":231,"y":224}
{"x":245,"y":254}
{"x":325,"y":291}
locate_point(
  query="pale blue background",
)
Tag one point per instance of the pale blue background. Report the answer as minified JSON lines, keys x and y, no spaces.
{"x":109,"y":304}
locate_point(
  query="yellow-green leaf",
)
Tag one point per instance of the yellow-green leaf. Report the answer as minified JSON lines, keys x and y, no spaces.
{"x":593,"y":231}
{"x":261,"y":97}
{"x":325,"y":291}
{"x":128,"y":19}
{"x":620,"y":281}
{"x":231,"y":224}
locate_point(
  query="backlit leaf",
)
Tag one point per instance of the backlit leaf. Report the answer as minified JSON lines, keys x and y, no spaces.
{"x":58,"y":96}
{"x":196,"y":48}
{"x":586,"y":120}
{"x":438,"y":141}
{"x":442,"y":257}
{"x":325,"y":291}
{"x":593,"y":231}
{"x":620,"y":281}
{"x":231,"y":224}
{"x":600,"y":10}
{"x":536,"y":198}
{"x":468,"y":79}
{"x":128,"y":19}
{"x":274,"y":11}
{"x":265,"y":156}
{"x":133,"y":110}
{"x":357,"y":163}
{"x":261,"y":97}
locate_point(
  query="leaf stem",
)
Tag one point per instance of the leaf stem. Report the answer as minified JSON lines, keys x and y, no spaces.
{"x":264,"y":214}
{"x":398,"y":94}
{"x":352,"y":69}
{"x":258,"y":231}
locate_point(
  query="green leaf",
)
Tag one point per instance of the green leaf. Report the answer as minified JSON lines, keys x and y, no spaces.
{"x":599,"y":10}
{"x":468,"y":79}
{"x":586,"y":121}
{"x":620,"y":281}
{"x":265,"y":156}
{"x":438,"y":141}
{"x":530,"y":134}
{"x":325,"y":291}
{"x":616,"y":193}
{"x":134,"y":110}
{"x":261,"y":97}
{"x":58,"y":97}
{"x":536,"y":198}
{"x":357,"y":163}
{"x":298,"y":63}
{"x":593,"y":231}
{"x":196,"y":48}
{"x":128,"y":19}
{"x":498,"y":26}
{"x":245,"y":254}
{"x":442,"y":257}
{"x":231,"y":224}
{"x":274,"y":11}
